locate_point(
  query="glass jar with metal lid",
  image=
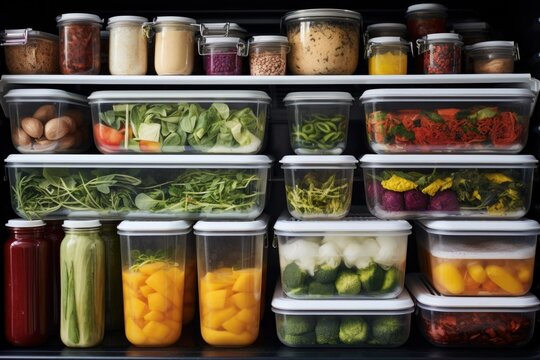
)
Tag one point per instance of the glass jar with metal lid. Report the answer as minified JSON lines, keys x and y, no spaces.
{"x":222,"y":55}
{"x":226,"y":29}
{"x":423,"y":19}
{"x":30,"y":52}
{"x":387,"y":55}
{"x":491,"y":57}
{"x":268,"y":55}
{"x":323,"y":41}
{"x":127,"y":45}
{"x":441,"y":53}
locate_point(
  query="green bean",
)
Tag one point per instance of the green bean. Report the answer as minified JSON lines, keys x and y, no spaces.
{"x":319,"y":132}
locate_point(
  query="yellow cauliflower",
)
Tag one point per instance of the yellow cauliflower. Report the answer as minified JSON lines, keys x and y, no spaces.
{"x":498,"y":178}
{"x":399,"y":184}
{"x":497,"y":209}
{"x":438,"y":185}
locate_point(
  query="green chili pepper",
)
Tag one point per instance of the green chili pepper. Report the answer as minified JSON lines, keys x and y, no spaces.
{"x":320,"y":132}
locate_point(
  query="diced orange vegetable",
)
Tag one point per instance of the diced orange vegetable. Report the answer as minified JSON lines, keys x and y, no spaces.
{"x":133,"y":279}
{"x":524,"y":273}
{"x":146,"y":290}
{"x":215,"y":300}
{"x":248,"y":281}
{"x":154,"y":316}
{"x":226,"y":338}
{"x":247,"y":315}
{"x":470,"y":284}
{"x":158,"y":302}
{"x":244,"y":300}
{"x":215,"y":319}
{"x":490,"y":287}
{"x":174,"y":314}
{"x":448,"y":276}
{"x":176,"y":276}
{"x":234,"y":325}
{"x":153,"y":267}
{"x":136,"y":308}
{"x":504,"y":280}
{"x":133,"y":332}
{"x":159,"y":282}
{"x":156,"y":330}
{"x":476,"y":272}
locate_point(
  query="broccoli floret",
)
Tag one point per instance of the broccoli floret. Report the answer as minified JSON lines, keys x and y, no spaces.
{"x":316,"y":288}
{"x":327,"y":330}
{"x":372,"y":277}
{"x":391,"y":280}
{"x":388,"y":330}
{"x":353,"y":330}
{"x":293,"y":276}
{"x":297,"y":324}
{"x":300,"y":340}
{"x":348,"y":283}
{"x":326,"y":273}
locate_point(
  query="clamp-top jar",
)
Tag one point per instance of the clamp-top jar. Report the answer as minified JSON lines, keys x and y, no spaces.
{"x":441,"y":53}
{"x":387,"y":55}
{"x":127,"y":45}
{"x":493,"y":57}
{"x":222,"y":55}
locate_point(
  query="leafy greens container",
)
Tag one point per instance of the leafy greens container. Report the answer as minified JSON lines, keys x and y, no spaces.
{"x":447,"y":120}
{"x":351,"y":258}
{"x":478,"y":258}
{"x":342,"y":323}
{"x":457,"y":186}
{"x":318,"y":187}
{"x":179,"y":121}
{"x":138,"y":186}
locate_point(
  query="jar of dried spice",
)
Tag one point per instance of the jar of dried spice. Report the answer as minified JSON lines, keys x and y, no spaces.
{"x":222,"y":55}
{"x":441,"y":53}
{"x":128,"y":50}
{"x":387,"y":55}
{"x":492,"y":57}
{"x":268,"y":55}
{"x":79,"y":43}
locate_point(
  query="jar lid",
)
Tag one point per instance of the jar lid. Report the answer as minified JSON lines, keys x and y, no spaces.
{"x":318,"y":96}
{"x":39,"y":95}
{"x":78,"y":17}
{"x":427,"y":7}
{"x":154,"y":228}
{"x":223,"y":41}
{"x":308,"y":14}
{"x":466,"y":27}
{"x":81,"y":224}
{"x":232,"y":228}
{"x":518,"y":227}
{"x":269,"y":39}
{"x":448,"y":161}
{"x":493,"y":45}
{"x":22,"y":223}
{"x":222,"y":29}
{"x":174,"y":20}
{"x":127,"y":18}
{"x":443,"y":37}
{"x":388,"y":40}
{"x":315,"y":161}
{"x":21,"y":36}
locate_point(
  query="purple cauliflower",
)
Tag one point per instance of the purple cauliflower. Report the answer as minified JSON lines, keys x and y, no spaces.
{"x":374,"y":192}
{"x":444,"y":201}
{"x":392,"y":201}
{"x":415,"y":200}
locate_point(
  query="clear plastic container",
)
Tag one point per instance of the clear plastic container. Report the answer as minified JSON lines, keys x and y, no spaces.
{"x":175,"y":45}
{"x":318,"y":121}
{"x":387,"y":56}
{"x":448,"y":186}
{"x":190,"y":283}
{"x":447,"y":120}
{"x":222,"y":55}
{"x":472,"y":322}
{"x":153,"y":277}
{"x":197,"y":121}
{"x":230,"y":267}
{"x":139,"y":186}
{"x":128,"y":45}
{"x":342,"y":323}
{"x":268,"y":55}
{"x":493,"y":57}
{"x":318,"y":187}
{"x":357,"y":257}
{"x":424,"y":19}
{"x":441,"y":53}
{"x":385,"y":29}
{"x":473,"y":32}
{"x":323,"y":41}
{"x":478,"y":258}
{"x":48,"y":121}
{"x":30,"y":52}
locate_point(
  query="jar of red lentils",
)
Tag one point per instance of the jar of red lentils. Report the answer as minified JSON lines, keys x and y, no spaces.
{"x":441,"y":53}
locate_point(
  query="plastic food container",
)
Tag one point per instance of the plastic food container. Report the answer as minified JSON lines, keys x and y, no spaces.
{"x":128,"y":51}
{"x":447,"y":120}
{"x":352,"y":258}
{"x":473,"y":32}
{"x":441,"y":53}
{"x":387,"y":56}
{"x":175,"y":45}
{"x":179,"y":121}
{"x":153,"y":274}
{"x":385,"y":29}
{"x":318,"y":187}
{"x":314,"y":36}
{"x":342,"y":323}
{"x":48,"y":121}
{"x":138,"y":186}
{"x":458,"y":186}
{"x":230,"y":266}
{"x":30,"y":52}
{"x":457,"y":321}
{"x":268,"y":55}
{"x":493,"y":57}
{"x":318,"y":121}
{"x":222,"y":55}
{"x":478,"y":258}
{"x":424,"y":19}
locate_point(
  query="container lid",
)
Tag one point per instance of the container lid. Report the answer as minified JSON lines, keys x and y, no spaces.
{"x":387,"y":26}
{"x":315,"y":161}
{"x":174,"y":20}
{"x":427,"y":7}
{"x":22,"y":223}
{"x":22,"y":95}
{"x":78,"y":17}
{"x":222,"y":29}
{"x":318,"y":96}
{"x":154,"y":228}
{"x":127,"y":18}
{"x":437,"y":37}
{"x":430,"y":299}
{"x":435,"y":95}
{"x":228,"y":96}
{"x":388,"y":40}
{"x":286,"y":225}
{"x":481,"y":227}
{"x":282,"y":304}
{"x":81,"y":224}
{"x":232,"y":228}
{"x":138,"y":161}
{"x":322,"y":13}
{"x":21,"y":36}
{"x":493,"y":45}
{"x":451,"y":161}
{"x":222,"y":41}
{"x":466,"y":27}
{"x":269,"y":39}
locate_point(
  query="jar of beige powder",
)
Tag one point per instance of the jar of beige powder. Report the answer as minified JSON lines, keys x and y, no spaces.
{"x":127,"y":45}
{"x":175,"y":45}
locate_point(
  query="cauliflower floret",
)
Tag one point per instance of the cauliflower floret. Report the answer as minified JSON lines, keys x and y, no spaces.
{"x":392,"y":250}
{"x":341,"y":242}
{"x":360,"y":252}
{"x":304,"y":251}
{"x":329,"y":255}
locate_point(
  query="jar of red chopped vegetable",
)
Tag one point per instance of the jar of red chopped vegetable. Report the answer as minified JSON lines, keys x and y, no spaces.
{"x":79,"y":43}
{"x":27,"y":283}
{"x":441,"y":53}
{"x":423,"y":19}
{"x":223,"y":56}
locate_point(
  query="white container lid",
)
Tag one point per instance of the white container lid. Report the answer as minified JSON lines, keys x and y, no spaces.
{"x":443,"y":37}
{"x":232,"y":228}
{"x":21,"y":95}
{"x":492,"y":45}
{"x":466,"y":27}
{"x":223,"y":41}
{"x":448,"y":161}
{"x":428,"y":298}
{"x":351,"y":225}
{"x":139,"y":161}
{"x":438,"y":95}
{"x":481,"y":227}
{"x":221,"y":27}
{"x":265,"y":39}
{"x":81,"y":224}
{"x":138,"y":96}
{"x":153,"y":228}
{"x":317,"y":161}
{"x":282,"y":304}
{"x":309,"y":14}
{"x":22,"y":223}
{"x":387,"y":26}
{"x":317,"y":97}
{"x":427,"y":7}
{"x":127,"y":18}
{"x":174,"y":20}
{"x":388,"y":40}
{"x":78,"y":17}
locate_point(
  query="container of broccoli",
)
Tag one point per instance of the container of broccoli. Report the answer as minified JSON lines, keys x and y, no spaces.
{"x":342,"y":322}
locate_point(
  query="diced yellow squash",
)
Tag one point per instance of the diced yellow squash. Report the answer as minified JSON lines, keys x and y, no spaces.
{"x":173,"y":337}
{"x":154,"y":316}
{"x":134,"y":333}
{"x":176,"y":276}
{"x":174,"y":314}
{"x":449,"y":277}
{"x":524,"y":273}
{"x":215,"y":300}
{"x":130,"y":293}
{"x":136,"y":308}
{"x":504,"y":280}
{"x":176,"y":298}
{"x":156,"y":330}
{"x":152,"y":268}
{"x":477,"y":272}
{"x":133,"y":279}
{"x":206,"y":285}
{"x":224,"y":275}
{"x":159,"y":282}
{"x":244,"y":300}
{"x":225,"y":338}
{"x":215,"y":319}
{"x":158,"y":302}
{"x":172,"y":325}
{"x":234,"y":325}
{"x":248,"y":281}
{"x":146,"y":290}
{"x":249,"y":315}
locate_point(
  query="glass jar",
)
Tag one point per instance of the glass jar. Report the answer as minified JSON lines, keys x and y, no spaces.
{"x":82,"y":278}
{"x":225,"y":29}
{"x":222,"y":55}
{"x":387,"y":56}
{"x":473,"y":32}
{"x":79,"y":43}
{"x":27,"y":283}
{"x":441,"y":53}
{"x":493,"y":57}
{"x":268,"y":55}
{"x":385,"y":29}
{"x":55,"y":234}
{"x":128,"y":49}
{"x":424,"y":19}
{"x":114,"y":316}
{"x":175,"y":45}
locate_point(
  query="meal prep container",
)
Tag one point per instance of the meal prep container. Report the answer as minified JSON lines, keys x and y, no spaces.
{"x":450,"y":321}
{"x":352,"y":258}
{"x":227,"y":121}
{"x":447,"y":120}
{"x":29,"y":51}
{"x":318,"y":121}
{"x":318,"y":187}
{"x":342,"y":323}
{"x":153,"y":278}
{"x":458,"y":186}
{"x":387,"y":55}
{"x":493,"y":57}
{"x":138,"y":186}
{"x":478,"y":258}
{"x":48,"y":121}
{"x":230,"y":264}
